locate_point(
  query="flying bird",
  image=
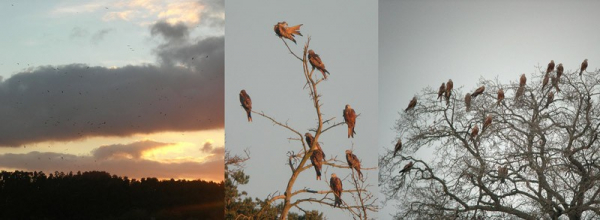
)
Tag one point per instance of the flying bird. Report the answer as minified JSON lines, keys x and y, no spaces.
{"x":282,"y":30}
{"x":317,"y":158}
{"x":545,"y":80}
{"x":550,"y":99}
{"x":315,"y":62}
{"x":441,"y":91}
{"x":449,"y":87}
{"x":468,"y":101}
{"x":550,"y":66}
{"x":336,"y":185}
{"x":583,"y":67}
{"x":488,"y":122}
{"x":353,"y":162}
{"x":559,"y":70}
{"x":411,"y":104}
{"x":407,"y":167}
{"x":398,"y":147}
{"x":523,"y":80}
{"x":474,"y":131}
{"x":350,"y":119}
{"x":500,"y":96}
{"x":479,"y":91}
{"x":246,"y":103}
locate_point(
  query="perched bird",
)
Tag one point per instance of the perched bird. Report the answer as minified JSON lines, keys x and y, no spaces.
{"x":398,"y":147}
{"x":350,"y":119}
{"x":246,"y":103}
{"x":315,"y":62}
{"x":502,"y":173}
{"x":550,"y":66}
{"x":500,"y":96}
{"x":583,"y":67}
{"x":449,"y":87}
{"x":407,"y":167}
{"x":317,"y":158}
{"x":468,"y":101}
{"x":519,"y":93}
{"x":474,"y":131}
{"x":555,"y":83}
{"x":545,"y":80}
{"x":523,"y":80}
{"x":353,"y":162}
{"x":550,"y":99}
{"x":487,"y":122}
{"x":282,"y":30}
{"x":310,"y":139}
{"x":441,"y":91}
{"x":411,"y":104}
{"x":559,"y":70}
{"x":336,"y":185}
{"x":479,"y":91}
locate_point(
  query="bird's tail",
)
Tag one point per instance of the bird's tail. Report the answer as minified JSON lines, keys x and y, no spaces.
{"x":318,"y":173}
{"x":295,"y":30}
{"x":580,"y":72}
{"x":249,"y":116}
{"x":359,"y":174}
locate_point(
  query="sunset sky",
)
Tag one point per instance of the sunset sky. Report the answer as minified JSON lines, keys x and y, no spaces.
{"x":134,"y":88}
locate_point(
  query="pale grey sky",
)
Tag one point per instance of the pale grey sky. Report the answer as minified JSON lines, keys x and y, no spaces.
{"x":424,"y":43}
{"x":344,"y":34}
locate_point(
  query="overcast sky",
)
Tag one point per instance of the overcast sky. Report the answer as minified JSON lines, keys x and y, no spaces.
{"x":425,"y":43}
{"x":344,"y":34}
{"x":134,"y":88}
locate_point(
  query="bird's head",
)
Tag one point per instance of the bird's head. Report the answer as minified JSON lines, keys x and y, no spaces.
{"x":348,"y":151}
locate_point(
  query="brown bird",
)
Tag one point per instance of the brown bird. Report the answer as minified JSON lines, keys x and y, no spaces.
{"x":550,"y":66}
{"x":500,"y":96}
{"x":479,"y":91}
{"x":474,"y":131}
{"x":449,"y":87}
{"x":559,"y":70}
{"x":411,"y":104}
{"x":555,"y":83}
{"x":523,"y":80}
{"x":520,"y":92}
{"x":398,"y":147}
{"x":583,"y":67}
{"x":468,"y":101}
{"x":550,"y":99}
{"x":350,"y":119}
{"x":407,"y":167}
{"x":488,"y":122}
{"x":441,"y":91}
{"x":282,"y":30}
{"x":315,"y":62}
{"x":502,"y":173}
{"x":545,"y":81}
{"x":317,"y":158}
{"x":353,"y":162}
{"x":246,"y":103}
{"x":336,"y":185}
{"x":310,"y":139}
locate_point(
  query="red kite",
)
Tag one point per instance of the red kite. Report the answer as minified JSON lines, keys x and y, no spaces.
{"x":500,"y":96}
{"x":350,"y":119}
{"x":411,"y":104}
{"x":488,"y":122}
{"x":550,"y":66}
{"x":282,"y":30}
{"x":468,"y":101}
{"x":449,"y":87}
{"x":474,"y":131}
{"x":316,"y":62}
{"x":545,"y":81}
{"x":523,"y":80}
{"x":317,"y":159}
{"x":583,"y":66}
{"x":479,"y":91}
{"x":309,"y":141}
{"x":441,"y":91}
{"x":353,"y":162}
{"x":559,"y":70}
{"x":336,"y":186}
{"x":520,"y":92}
{"x":398,"y":147}
{"x":407,"y":167}
{"x":550,"y":99}
{"x":246,"y":103}
{"x":502,"y":173}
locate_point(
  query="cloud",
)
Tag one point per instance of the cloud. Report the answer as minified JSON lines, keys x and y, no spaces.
{"x":170,"y":32}
{"x":99,"y":35}
{"x":50,"y":162}
{"x":132,"y":150}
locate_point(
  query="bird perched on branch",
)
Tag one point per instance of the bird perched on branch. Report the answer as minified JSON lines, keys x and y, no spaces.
{"x":502,"y":173}
{"x":545,"y":80}
{"x":336,"y":185}
{"x":523,"y":80}
{"x":559,"y":70}
{"x":468,"y":101}
{"x":487,"y":122}
{"x":315,"y":62}
{"x":584,"y":66}
{"x":474,"y":131}
{"x":478,"y":91}
{"x":500,"y":96}
{"x":318,"y":156}
{"x":411,"y":104}
{"x":550,"y":67}
{"x":550,"y":99}
{"x":407,"y":167}
{"x":519,"y":93}
{"x":282,"y":30}
{"x":442,"y":91}
{"x":449,"y":87}
{"x":246,"y":103}
{"x":353,"y":162}
{"x":350,"y":119}
{"x":398,"y":147}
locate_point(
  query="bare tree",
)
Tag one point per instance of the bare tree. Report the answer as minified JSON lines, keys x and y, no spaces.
{"x":296,"y":196}
{"x":537,"y":160}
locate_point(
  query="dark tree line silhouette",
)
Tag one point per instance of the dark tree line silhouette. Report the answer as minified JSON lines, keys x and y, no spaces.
{"x":99,"y":195}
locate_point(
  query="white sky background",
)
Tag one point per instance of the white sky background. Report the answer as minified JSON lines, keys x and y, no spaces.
{"x":345,"y":36}
{"x":424,"y":43}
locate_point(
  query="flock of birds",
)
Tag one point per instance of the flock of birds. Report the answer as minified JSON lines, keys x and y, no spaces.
{"x":318,"y":156}
{"x":445,"y":91}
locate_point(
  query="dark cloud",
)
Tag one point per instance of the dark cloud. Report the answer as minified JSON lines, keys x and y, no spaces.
{"x":170,"y":32}
{"x":99,"y":35}
{"x":213,"y":13}
{"x":132,"y":150}
{"x":50,"y":162}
